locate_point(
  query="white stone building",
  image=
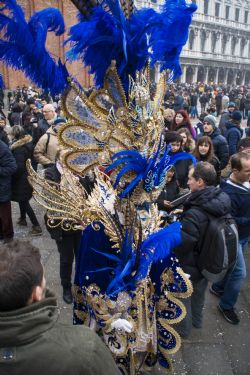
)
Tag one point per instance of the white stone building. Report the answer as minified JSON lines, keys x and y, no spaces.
{"x":218,"y":47}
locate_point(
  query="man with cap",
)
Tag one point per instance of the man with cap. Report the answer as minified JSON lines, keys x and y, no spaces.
{"x":234,"y":132}
{"x":219,"y":142}
{"x":47,"y":146}
{"x":226,"y":116}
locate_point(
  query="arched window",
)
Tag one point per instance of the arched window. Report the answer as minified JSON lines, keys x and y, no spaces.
{"x":191,"y":39}
{"x":224,"y":44}
{"x":233,"y":45}
{"x":206,"y":4}
{"x":203,"y":40}
{"x":242,"y":47}
{"x":214,"y":41}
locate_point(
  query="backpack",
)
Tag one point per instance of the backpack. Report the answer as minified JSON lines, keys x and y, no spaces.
{"x":218,"y":247}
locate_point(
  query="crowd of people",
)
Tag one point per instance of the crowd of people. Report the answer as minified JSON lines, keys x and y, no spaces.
{"x":217,"y":140}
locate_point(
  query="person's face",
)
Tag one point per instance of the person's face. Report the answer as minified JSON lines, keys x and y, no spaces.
{"x":231,"y":109}
{"x":207,"y":127}
{"x":48,"y":114}
{"x":43,"y":102}
{"x":175,"y":146}
{"x":244,"y":174}
{"x":179,"y":118}
{"x":192,"y":183}
{"x":169,"y":117}
{"x":32,"y":107}
{"x":2,"y":123}
{"x":184,"y":137}
{"x":170,"y":175}
{"x":203,"y":149}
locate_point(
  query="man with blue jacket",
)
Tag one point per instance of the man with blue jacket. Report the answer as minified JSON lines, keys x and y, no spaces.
{"x":234,"y":132}
{"x":238,"y":189}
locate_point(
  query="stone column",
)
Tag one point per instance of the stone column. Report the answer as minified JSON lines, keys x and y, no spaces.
{"x":226,"y":76}
{"x":197,"y":40}
{"x":217,"y":75}
{"x":195,"y":77}
{"x":243,"y":78}
{"x":208,"y":41}
{"x":184,"y":74}
{"x":206,"y":69}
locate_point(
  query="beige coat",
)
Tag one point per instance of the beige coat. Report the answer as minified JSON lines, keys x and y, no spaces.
{"x":48,"y":156}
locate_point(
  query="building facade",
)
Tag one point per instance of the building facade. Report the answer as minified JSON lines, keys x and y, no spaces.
{"x":218,"y":47}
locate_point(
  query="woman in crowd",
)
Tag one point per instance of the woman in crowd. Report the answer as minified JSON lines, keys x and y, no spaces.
{"x":188,"y":143}
{"x":22,"y":149}
{"x":182,"y":120}
{"x":181,"y":166}
{"x":204,"y":151}
{"x":168,"y":115}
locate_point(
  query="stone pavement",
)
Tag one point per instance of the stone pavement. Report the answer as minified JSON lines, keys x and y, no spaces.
{"x":218,"y":349}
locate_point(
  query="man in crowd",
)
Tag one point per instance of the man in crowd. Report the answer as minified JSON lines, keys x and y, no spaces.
{"x":226,"y":116}
{"x":238,"y":189}
{"x":47,"y":146}
{"x":219,"y":142}
{"x":7,"y":169}
{"x":205,"y":199}
{"x":234,"y":132}
{"x":32,"y":341}
{"x":43,"y":124}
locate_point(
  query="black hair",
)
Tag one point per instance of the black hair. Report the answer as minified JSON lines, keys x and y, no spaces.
{"x":20,"y":271}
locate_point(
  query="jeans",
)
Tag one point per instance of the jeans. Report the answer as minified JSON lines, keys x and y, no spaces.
{"x":230,"y":286}
{"x":194,"y":306}
{"x":194,"y":111}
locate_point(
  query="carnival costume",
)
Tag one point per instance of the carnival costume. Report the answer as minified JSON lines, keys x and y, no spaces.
{"x":128,"y":282}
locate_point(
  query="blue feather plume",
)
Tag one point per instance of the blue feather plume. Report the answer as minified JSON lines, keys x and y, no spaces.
{"x":158,"y":246}
{"x":168,"y":40}
{"x":22,"y":45}
{"x":108,"y":36}
{"x":152,"y":171}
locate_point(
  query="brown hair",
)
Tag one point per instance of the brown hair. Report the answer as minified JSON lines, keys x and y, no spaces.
{"x":20,"y":272}
{"x":207,"y":141}
{"x":189,"y":145}
{"x":236,"y":160}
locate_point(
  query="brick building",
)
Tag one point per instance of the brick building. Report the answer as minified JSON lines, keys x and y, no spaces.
{"x":54,"y":43}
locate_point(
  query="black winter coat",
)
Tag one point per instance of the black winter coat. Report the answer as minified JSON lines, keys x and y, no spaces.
{"x":4,"y":136}
{"x":7,"y":168}
{"x":22,"y":151}
{"x":194,"y":224}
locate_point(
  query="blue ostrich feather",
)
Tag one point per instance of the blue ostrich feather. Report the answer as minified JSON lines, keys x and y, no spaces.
{"x":110,"y":36}
{"x":168,"y":40}
{"x":22,"y":45}
{"x":107,"y":36}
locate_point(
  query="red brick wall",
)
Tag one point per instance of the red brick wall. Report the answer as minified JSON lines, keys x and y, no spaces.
{"x":54,"y":43}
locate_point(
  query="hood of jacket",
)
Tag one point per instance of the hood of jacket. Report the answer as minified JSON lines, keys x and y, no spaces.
{"x":21,"y":142}
{"x":230,"y":125}
{"x":215,"y":133}
{"x":211,"y":199}
{"x":24,"y":325}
